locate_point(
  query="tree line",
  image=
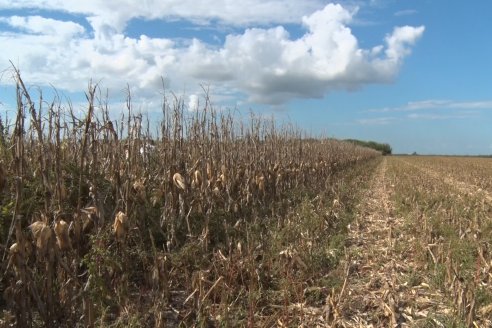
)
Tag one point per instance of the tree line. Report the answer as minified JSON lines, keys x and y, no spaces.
{"x":384,"y":148}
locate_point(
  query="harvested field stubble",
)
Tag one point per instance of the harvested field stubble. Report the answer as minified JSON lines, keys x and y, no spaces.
{"x":212,"y":221}
{"x":472,"y":171}
{"x":419,"y":250}
{"x":451,"y":227}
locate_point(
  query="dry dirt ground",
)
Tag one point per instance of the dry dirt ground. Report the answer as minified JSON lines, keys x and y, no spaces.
{"x":380,"y":289}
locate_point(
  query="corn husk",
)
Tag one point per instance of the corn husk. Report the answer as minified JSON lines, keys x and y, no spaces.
{"x":179,"y":181}
{"x":260,"y":182}
{"x":120,"y":225}
{"x":139,"y":186}
{"x":62,"y":236}
{"x":197,"y":178}
{"x":41,"y":234}
{"x":14,"y":248}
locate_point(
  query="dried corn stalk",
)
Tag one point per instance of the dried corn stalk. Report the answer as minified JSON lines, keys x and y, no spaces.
{"x":3,"y":179}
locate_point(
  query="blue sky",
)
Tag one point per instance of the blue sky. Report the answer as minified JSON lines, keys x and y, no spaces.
{"x":415,"y":74}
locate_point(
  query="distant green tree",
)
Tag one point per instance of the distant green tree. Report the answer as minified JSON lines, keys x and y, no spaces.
{"x":384,"y":148}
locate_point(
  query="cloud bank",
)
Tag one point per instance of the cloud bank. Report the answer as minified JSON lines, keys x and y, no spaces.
{"x":261,"y":64}
{"x":436,"y":104}
{"x":431,"y":109}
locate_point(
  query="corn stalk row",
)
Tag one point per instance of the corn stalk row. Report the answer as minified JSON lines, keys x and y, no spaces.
{"x":103,"y":218}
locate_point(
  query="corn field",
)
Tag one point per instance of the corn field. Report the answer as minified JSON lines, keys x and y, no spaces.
{"x":212,"y":219}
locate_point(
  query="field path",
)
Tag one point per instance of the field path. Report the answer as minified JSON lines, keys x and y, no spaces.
{"x":380,"y":288}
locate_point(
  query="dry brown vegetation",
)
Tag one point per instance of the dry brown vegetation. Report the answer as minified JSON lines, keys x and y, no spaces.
{"x":218,"y":221}
{"x":470,"y":173}
{"x":420,"y":253}
{"x":213,"y":222}
{"x":452,"y":221}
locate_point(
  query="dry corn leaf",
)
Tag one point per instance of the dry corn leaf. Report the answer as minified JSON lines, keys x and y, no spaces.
{"x":90,"y":210}
{"x":76,"y":227}
{"x":90,"y":218}
{"x":486,"y":310}
{"x":209,"y":171}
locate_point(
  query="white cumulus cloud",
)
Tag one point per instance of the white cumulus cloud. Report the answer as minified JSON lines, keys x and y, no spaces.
{"x":272,"y":68}
{"x":400,"y":39}
{"x":116,"y":14}
{"x":44,"y":26}
{"x":262,"y":64}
